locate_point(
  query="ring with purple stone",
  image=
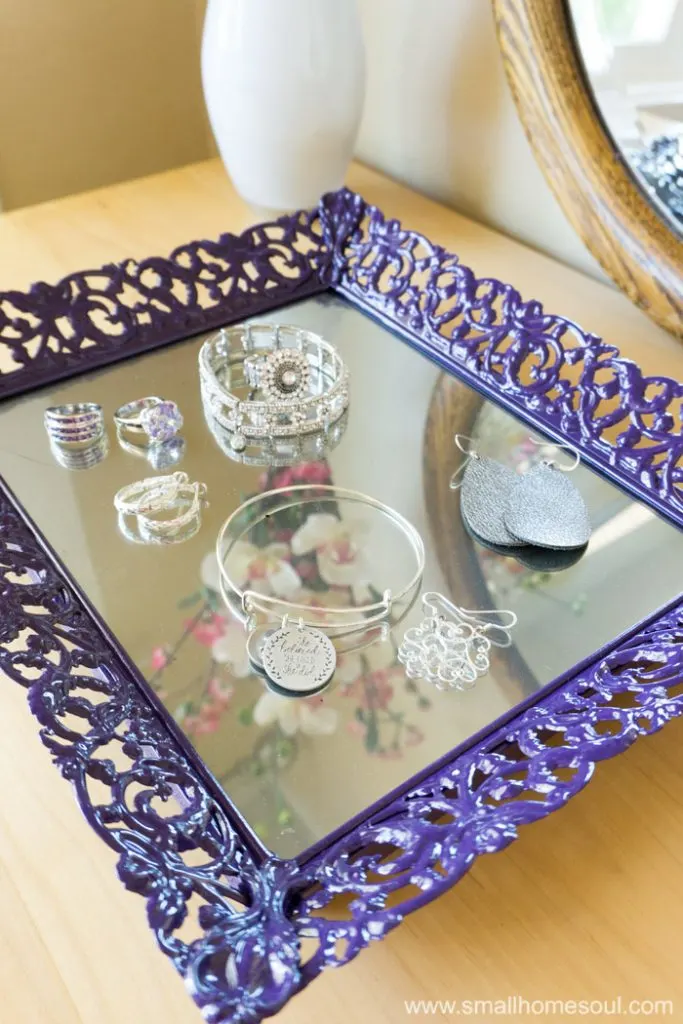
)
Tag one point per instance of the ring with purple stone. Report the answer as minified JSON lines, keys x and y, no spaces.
{"x":159,"y":456}
{"x":156,"y":418}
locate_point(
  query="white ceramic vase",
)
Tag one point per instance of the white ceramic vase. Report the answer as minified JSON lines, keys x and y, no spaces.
{"x":284,"y":82}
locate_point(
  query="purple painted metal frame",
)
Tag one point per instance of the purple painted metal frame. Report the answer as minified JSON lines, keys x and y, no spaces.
{"x":251,"y":912}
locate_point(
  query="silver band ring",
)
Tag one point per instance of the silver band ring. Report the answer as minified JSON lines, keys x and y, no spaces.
{"x":74,"y":424}
{"x":82,"y":457}
{"x":156,"y":418}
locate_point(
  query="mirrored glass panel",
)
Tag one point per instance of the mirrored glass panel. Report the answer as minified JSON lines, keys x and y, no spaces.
{"x":632,"y":52}
{"x":299,"y":769}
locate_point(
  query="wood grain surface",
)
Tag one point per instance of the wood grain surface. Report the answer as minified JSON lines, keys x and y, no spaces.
{"x":590,"y":178}
{"x":584,"y":905}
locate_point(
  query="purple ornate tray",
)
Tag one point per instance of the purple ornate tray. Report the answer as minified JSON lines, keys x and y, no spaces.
{"x":251,"y":908}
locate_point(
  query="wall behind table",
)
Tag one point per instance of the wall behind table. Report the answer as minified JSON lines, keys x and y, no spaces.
{"x":440,"y":118}
{"x":96,"y":91}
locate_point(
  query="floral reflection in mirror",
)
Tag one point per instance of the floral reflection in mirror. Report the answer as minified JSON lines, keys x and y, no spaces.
{"x":316,"y":558}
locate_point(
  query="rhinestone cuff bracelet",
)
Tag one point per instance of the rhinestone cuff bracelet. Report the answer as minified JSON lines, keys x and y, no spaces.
{"x":263,"y":381}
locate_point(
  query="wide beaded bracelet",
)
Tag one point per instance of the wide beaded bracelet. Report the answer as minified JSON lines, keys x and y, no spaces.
{"x":264,"y":381}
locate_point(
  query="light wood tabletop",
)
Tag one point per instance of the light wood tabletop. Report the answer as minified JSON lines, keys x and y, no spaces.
{"x":584,"y":906}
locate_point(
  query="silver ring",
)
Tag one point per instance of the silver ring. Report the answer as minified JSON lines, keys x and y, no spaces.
{"x":84,"y":457}
{"x":158,"y":419}
{"x":75,"y":424}
{"x":160,"y":456}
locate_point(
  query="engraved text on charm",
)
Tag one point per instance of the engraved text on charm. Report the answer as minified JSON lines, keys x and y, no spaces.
{"x":298,"y":659}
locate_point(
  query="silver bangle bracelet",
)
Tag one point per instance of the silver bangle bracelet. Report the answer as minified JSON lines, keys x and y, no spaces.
{"x":300,"y":382}
{"x":300,"y":656}
{"x":277,"y":451}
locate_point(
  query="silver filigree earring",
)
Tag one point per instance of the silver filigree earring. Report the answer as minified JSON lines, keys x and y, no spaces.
{"x":545,"y":509}
{"x":451,"y":647}
{"x":484,"y":486}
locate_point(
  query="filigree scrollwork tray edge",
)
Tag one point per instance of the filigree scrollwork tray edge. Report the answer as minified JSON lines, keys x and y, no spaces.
{"x":262,"y":935}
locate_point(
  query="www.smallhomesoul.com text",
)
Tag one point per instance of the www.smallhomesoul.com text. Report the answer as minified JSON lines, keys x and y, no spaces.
{"x":518,"y":1006}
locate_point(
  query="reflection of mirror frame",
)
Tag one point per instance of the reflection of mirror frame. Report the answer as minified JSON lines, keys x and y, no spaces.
{"x":590,"y":178}
{"x":246,"y":929}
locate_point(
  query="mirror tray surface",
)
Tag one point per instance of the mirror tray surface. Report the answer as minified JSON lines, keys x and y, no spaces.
{"x":298,"y":770}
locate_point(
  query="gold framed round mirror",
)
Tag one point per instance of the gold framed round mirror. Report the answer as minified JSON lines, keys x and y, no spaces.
{"x":610,"y":147}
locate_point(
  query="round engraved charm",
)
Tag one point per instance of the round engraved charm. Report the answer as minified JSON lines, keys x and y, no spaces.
{"x":298,"y":660}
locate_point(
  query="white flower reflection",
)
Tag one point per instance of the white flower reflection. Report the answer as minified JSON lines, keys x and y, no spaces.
{"x":231,"y":649}
{"x":295,"y":715}
{"x":336,"y":543}
{"x":265,"y":570}
{"x":378,"y":657}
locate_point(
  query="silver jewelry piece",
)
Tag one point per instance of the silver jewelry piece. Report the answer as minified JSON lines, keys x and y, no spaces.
{"x":282,"y":374}
{"x":74,"y":425}
{"x":451,"y":646}
{"x":484,"y":485}
{"x":84,"y":457}
{"x":154,"y":493}
{"x":264,"y":381}
{"x":160,"y":456}
{"x":134,"y":530}
{"x":504,"y":509}
{"x":341,"y":623}
{"x":298,"y":660}
{"x":277,"y":451}
{"x":151,"y":501}
{"x":153,"y":419}
{"x":191,"y":500}
{"x":545,"y":509}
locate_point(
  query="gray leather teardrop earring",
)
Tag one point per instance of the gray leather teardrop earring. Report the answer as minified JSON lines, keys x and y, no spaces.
{"x":545,"y":509}
{"x":484,"y":486}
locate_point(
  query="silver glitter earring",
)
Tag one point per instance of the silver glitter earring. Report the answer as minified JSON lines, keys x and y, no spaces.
{"x":451,"y":646}
{"x":545,"y":509}
{"x":484,"y":486}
